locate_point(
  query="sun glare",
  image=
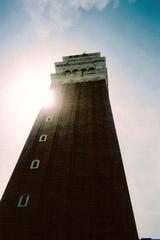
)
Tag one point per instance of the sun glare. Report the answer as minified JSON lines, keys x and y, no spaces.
{"x":50,"y":99}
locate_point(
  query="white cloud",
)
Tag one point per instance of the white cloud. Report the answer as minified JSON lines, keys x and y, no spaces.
{"x":46,"y":16}
{"x":89,"y":4}
{"x":61,"y":14}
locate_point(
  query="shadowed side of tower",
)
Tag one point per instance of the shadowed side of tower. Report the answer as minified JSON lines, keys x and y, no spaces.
{"x":69,"y":182}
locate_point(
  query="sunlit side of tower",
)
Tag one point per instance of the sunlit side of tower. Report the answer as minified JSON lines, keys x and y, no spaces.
{"x":69,"y":182}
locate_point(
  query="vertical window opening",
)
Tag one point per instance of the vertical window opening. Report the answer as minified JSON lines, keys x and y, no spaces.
{"x":34,"y":164}
{"x":23,"y":200}
{"x":75,"y":72}
{"x":49,"y":119}
{"x":43,"y":138}
{"x":84,"y":71}
{"x":67,"y":72}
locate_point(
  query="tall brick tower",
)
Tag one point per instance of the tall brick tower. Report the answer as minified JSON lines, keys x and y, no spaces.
{"x":69,"y":182}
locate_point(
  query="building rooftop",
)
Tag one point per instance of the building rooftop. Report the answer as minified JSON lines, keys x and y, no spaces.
{"x":67,"y":58}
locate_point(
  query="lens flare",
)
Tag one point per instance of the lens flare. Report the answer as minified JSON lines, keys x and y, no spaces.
{"x":50,"y":99}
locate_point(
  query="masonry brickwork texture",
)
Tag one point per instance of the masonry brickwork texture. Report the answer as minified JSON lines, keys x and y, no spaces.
{"x":79,"y":190}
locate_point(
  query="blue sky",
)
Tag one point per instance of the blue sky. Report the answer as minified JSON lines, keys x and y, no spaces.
{"x":36,"y":33}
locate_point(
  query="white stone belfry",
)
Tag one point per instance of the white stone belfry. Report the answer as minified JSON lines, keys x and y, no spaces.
{"x":80,"y":68}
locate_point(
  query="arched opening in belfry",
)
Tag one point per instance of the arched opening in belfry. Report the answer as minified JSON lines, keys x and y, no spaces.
{"x":67,"y":72}
{"x":91,"y":70}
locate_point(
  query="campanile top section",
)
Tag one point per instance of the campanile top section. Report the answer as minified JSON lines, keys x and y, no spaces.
{"x":80,"y":68}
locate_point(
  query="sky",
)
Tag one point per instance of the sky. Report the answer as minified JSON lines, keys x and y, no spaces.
{"x":36,"y":33}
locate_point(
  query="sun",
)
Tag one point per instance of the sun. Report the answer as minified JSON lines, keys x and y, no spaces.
{"x":50,"y":98}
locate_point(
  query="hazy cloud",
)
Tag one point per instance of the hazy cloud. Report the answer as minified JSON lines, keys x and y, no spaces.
{"x":61,"y":14}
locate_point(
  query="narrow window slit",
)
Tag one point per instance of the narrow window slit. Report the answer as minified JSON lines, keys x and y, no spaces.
{"x":23,"y":200}
{"x":34,"y":164}
{"x":43,"y":138}
{"x":48,"y":119}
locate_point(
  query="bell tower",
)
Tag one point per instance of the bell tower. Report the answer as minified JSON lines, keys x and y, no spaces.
{"x":69,"y":182}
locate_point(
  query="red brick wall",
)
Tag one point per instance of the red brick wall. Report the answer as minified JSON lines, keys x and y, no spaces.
{"x":79,"y":191}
